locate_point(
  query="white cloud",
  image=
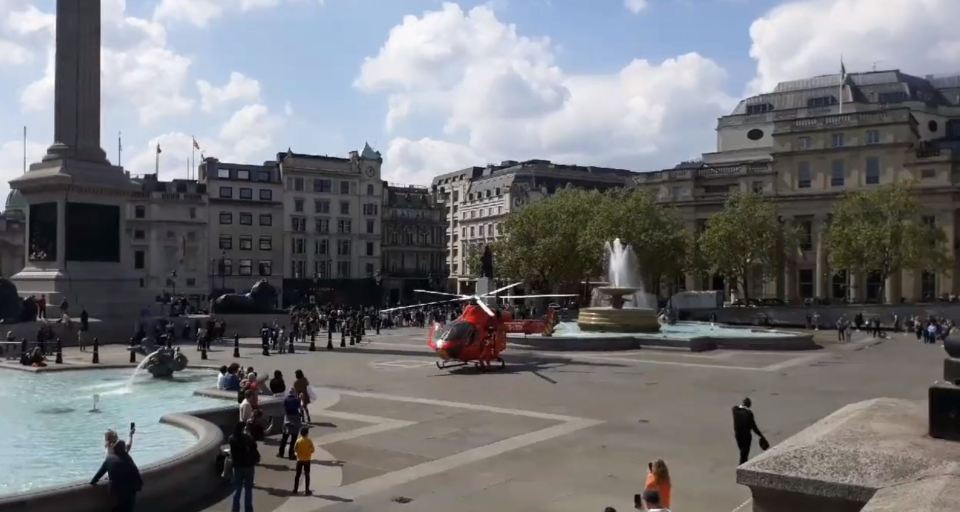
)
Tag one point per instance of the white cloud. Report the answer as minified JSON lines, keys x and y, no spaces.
{"x":249,"y":131}
{"x":501,"y":96}
{"x":138,"y":69}
{"x":288,"y":109}
{"x":806,"y":38}
{"x":418,"y":161}
{"x":201,"y":12}
{"x":13,"y":54}
{"x":635,"y":6}
{"x":31,"y":20}
{"x":240,"y":88}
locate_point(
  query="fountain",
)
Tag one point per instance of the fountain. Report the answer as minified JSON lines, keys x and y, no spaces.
{"x":623,"y":286}
{"x":161,"y":363}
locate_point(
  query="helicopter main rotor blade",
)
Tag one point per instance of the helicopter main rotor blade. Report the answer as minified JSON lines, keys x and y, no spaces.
{"x":419,"y":305}
{"x":537,"y":296}
{"x":483,"y":305}
{"x":498,"y":290}
{"x":442,"y":293}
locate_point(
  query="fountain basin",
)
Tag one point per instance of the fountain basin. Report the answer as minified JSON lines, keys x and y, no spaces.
{"x":693,"y":336}
{"x":626,"y":320}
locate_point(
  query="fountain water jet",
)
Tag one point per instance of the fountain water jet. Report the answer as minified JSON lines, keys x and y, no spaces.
{"x":623,"y":286}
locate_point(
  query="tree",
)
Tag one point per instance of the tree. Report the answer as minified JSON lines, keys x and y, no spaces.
{"x":879,"y":232}
{"x":540,"y":244}
{"x":472,"y":254}
{"x":746,"y":235}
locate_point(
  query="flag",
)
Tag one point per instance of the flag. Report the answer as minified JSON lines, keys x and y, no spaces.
{"x":196,"y":145}
{"x":120,"y":141}
{"x":843,"y":69}
{"x":158,"y":149}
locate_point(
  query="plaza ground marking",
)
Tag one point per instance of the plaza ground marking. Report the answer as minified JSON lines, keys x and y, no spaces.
{"x":796,"y":361}
{"x":744,"y":504}
{"x":568,"y":425}
{"x":379,"y":425}
{"x":405,"y":364}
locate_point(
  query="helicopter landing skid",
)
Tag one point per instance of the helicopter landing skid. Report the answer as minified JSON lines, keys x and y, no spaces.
{"x":442,"y":365}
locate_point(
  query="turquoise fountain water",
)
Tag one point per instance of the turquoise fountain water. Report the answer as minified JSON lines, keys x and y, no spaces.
{"x":50,"y":436}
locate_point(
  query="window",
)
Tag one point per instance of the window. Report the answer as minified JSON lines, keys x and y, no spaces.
{"x":838,"y":285}
{"x":343,"y":248}
{"x":803,"y":175}
{"x":757,"y":187}
{"x":480,"y":230}
{"x":343,"y":269}
{"x":298,"y":184}
{"x":266,"y":194}
{"x":226,"y":192}
{"x":191,"y":281}
{"x":192,"y":236}
{"x":928,"y":173}
{"x":138,"y":259}
{"x":321,"y":247}
{"x":226,"y":218}
{"x":928,"y":286}
{"x":321,"y":185}
{"x":321,"y":206}
{"x":323,"y":226}
{"x":299,"y":268}
{"x":837,"y":173}
{"x":929,"y":221}
{"x":246,"y":243}
{"x":369,"y":226}
{"x":344,"y":208}
{"x":759,"y":108}
{"x":473,"y":232}
{"x":170,"y":235}
{"x":243,"y":174}
{"x":193,"y":213}
{"x":266,"y":219}
{"x":498,"y":191}
{"x":892,"y":97}
{"x":369,"y":248}
{"x":263,"y":176}
{"x":139,"y":211}
{"x":321,"y":269}
{"x":873,"y":170}
{"x":246,"y":219}
{"x":298,"y":224}
{"x":139,"y":234}
{"x":246,"y":267}
{"x":370,"y":189}
{"x":298,"y":205}
{"x":246,"y":193}
{"x":265,"y":268}
{"x":223,"y":173}
{"x":344,"y":187}
{"x":370,"y":209}
{"x":226,"y":242}
{"x":874,"y":285}
{"x":822,"y":101}
{"x":873,"y":137}
{"x":343,"y":226}
{"x":369,"y":268}
{"x":836,"y":140}
{"x":755,"y":134}
{"x":804,"y":142}
{"x":805,"y":280}
{"x":266,"y":243}
{"x":805,"y":234}
{"x":298,"y":246}
{"x":226,"y":267}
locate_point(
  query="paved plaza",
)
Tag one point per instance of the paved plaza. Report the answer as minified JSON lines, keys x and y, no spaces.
{"x":553,"y":431}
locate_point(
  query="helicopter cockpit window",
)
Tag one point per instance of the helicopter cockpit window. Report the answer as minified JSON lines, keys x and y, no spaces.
{"x":456,"y":331}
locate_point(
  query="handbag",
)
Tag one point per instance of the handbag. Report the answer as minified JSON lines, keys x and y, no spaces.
{"x":764,"y":444}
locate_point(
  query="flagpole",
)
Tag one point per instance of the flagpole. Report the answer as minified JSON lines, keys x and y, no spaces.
{"x":120,"y":149}
{"x":193,"y":156}
{"x":24,"y":149}
{"x":156,"y":165}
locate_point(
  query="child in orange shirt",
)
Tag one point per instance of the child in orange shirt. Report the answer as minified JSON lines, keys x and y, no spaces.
{"x":658,"y":479}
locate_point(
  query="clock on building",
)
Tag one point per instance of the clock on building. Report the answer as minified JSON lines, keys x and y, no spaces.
{"x":370,"y":171}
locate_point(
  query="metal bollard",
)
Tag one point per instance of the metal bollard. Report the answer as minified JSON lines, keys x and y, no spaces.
{"x":96,"y":351}
{"x":291,"y":345}
{"x":59,"y":352}
{"x":133,"y":353}
{"x":236,"y":345}
{"x":329,"y":340}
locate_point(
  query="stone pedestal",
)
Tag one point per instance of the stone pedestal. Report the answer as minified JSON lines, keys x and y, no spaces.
{"x":485,"y":286}
{"x":951,"y":370}
{"x":944,"y":411}
{"x":868,"y":456}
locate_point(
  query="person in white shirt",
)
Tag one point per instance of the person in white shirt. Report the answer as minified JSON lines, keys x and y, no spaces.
{"x":221,"y":384}
{"x":247,"y":406}
{"x":651,"y":499}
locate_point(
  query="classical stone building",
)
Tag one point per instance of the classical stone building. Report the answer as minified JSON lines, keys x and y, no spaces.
{"x":168,"y":236}
{"x":244,"y":218}
{"x":807,"y":144}
{"x":477,"y":199}
{"x":12,"y":234}
{"x":331,"y":226}
{"x":413,"y":243}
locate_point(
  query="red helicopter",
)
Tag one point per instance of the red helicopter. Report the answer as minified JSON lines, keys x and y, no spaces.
{"x":478,"y":335}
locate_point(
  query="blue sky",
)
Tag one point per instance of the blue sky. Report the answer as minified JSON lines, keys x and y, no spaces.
{"x":437,"y":86}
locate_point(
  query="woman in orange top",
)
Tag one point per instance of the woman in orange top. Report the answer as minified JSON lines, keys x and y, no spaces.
{"x":658,"y":479}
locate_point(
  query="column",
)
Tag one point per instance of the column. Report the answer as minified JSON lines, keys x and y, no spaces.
{"x":790,"y":291}
{"x":821,"y":274}
{"x":690,"y":281}
{"x":857,"y":290}
{"x":892,"y":289}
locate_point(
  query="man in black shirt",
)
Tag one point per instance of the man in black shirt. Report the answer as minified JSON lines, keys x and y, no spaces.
{"x":743,"y":425}
{"x":243,"y":451}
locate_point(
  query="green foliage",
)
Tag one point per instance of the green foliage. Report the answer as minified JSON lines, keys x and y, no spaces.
{"x":560,"y":240}
{"x":472,"y":255}
{"x":879,"y":231}
{"x":746,"y":235}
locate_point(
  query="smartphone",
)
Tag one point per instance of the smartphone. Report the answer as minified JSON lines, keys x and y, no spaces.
{"x":638,"y":501}
{"x":650,"y":466}
{"x":133,"y":426}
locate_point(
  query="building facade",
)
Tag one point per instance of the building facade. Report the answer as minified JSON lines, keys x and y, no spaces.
{"x":809,"y":143}
{"x":413,"y":243}
{"x":168,"y":237}
{"x":13,"y":234}
{"x":477,"y":199}
{"x":245,"y":217}
{"x":331,"y":226}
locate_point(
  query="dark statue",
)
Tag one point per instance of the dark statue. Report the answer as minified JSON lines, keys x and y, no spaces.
{"x":10,"y":302}
{"x":486,"y":263}
{"x":262,"y":298}
{"x":164,"y":361}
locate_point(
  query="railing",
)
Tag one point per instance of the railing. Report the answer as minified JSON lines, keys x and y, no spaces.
{"x":928,"y":152}
{"x":843,"y":120}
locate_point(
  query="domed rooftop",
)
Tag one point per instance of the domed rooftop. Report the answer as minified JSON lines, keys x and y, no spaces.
{"x":15,"y":202}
